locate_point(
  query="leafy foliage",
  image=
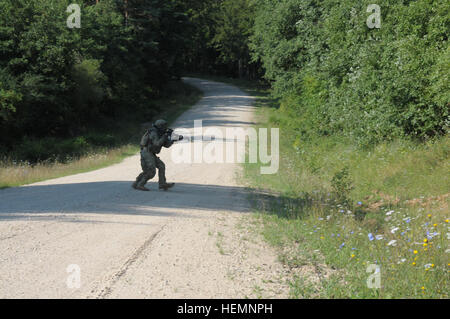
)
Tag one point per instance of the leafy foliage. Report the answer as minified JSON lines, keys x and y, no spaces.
{"x":341,"y":184}
{"x":333,"y":74}
{"x":337,"y":76}
{"x":56,"y":81}
{"x":219,"y":38}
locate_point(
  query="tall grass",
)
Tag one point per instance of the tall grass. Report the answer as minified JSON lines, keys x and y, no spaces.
{"x":20,"y":173}
{"x":343,"y":208}
{"x":401,"y":169}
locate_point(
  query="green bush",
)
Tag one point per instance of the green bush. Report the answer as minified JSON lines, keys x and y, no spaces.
{"x":90,"y":89}
{"x":337,"y":76}
{"x":51,"y":149}
{"x":97,"y":139}
{"x":341,"y":183}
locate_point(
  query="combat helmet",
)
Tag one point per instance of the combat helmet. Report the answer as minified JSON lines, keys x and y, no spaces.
{"x":160,"y":125}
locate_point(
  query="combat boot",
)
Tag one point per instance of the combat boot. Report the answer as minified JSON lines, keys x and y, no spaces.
{"x":134,"y":185}
{"x":142,"y":188}
{"x":166,"y":186}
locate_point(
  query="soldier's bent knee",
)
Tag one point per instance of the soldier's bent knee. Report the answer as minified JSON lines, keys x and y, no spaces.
{"x":150,"y":172}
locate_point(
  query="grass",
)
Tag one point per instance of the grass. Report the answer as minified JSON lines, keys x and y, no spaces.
{"x":97,"y":148}
{"x":219,"y":243}
{"x":341,"y":208}
{"x":16,"y":174}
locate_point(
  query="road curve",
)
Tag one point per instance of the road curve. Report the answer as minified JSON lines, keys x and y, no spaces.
{"x":189,"y":242}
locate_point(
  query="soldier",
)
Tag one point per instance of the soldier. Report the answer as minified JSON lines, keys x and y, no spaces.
{"x":151,"y":143}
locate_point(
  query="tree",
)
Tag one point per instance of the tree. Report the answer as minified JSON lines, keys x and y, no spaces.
{"x":234,"y":24}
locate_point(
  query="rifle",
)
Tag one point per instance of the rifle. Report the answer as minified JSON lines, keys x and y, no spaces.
{"x":173,"y":137}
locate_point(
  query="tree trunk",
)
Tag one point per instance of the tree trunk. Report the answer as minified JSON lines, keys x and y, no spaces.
{"x":126,"y":12}
{"x":240,"y":68}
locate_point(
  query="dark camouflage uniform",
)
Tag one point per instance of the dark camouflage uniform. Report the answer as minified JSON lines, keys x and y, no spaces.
{"x":151,"y":144}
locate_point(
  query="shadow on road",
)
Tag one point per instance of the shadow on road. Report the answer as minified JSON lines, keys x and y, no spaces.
{"x":118,"y":198}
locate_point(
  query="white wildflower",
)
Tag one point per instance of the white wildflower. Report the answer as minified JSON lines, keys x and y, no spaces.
{"x":392,"y":243}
